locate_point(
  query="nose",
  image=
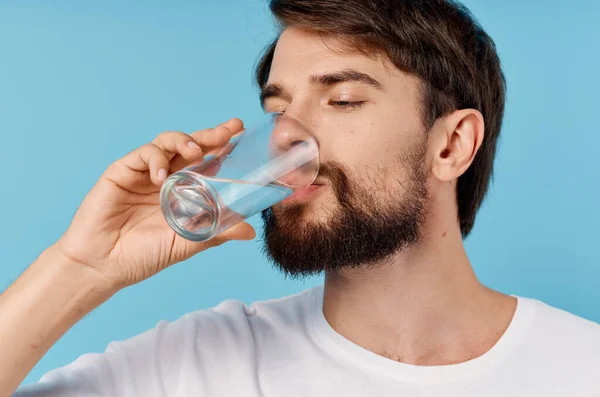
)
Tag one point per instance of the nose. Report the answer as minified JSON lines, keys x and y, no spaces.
{"x":289,"y":131}
{"x":296,"y":151}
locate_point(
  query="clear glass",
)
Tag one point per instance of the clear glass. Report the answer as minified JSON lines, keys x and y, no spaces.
{"x":259,"y":167}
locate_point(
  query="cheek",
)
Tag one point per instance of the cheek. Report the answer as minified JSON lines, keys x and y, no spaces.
{"x":369,"y":147}
{"x":369,"y":164}
{"x":359,"y":146}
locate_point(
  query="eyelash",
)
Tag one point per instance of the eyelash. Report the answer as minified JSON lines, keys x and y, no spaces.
{"x":337,"y":104}
{"x":347,"y":104}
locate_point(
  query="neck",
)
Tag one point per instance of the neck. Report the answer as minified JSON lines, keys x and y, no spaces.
{"x":424,"y":306}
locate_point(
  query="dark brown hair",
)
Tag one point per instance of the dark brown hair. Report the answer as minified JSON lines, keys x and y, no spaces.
{"x":437,"y":40}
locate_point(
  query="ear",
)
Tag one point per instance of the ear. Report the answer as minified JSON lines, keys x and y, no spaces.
{"x":457,"y":138}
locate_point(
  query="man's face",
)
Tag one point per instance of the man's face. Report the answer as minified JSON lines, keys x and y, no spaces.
{"x":371,"y":193}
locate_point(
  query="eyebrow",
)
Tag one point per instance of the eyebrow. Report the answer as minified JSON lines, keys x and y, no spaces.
{"x":272,"y":91}
{"x":344,"y":76}
{"x":323,"y":80}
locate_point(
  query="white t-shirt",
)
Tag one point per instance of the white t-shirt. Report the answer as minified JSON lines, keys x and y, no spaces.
{"x":286,"y":348}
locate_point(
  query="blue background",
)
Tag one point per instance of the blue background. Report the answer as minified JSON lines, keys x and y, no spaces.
{"x":83,"y":83}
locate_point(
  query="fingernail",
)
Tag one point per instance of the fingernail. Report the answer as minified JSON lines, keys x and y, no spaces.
{"x":193,"y":145}
{"x":209,"y":157}
{"x":235,"y":140}
{"x":162,"y":174}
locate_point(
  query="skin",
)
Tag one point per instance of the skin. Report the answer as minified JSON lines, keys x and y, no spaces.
{"x":118,"y":237}
{"x":424,"y":305}
{"x":426,"y":297}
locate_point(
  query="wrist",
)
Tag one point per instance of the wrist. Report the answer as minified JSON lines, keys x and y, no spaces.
{"x":85,"y":281}
{"x":51,"y":296}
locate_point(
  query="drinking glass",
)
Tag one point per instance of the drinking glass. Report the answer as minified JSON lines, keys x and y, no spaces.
{"x":259,"y":167}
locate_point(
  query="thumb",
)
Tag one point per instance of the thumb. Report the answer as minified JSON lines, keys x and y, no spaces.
{"x":241,"y":231}
{"x":185,"y":249}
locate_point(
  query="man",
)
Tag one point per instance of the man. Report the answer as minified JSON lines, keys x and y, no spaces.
{"x":406,"y":99}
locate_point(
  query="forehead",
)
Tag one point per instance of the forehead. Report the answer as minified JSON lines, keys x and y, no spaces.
{"x":300,"y":54}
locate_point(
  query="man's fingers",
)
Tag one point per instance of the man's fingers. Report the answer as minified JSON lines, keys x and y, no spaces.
{"x":175,"y":143}
{"x":172,"y":150}
{"x":241,"y":231}
{"x":233,"y":124}
{"x":148,"y":158}
{"x":211,"y":140}
{"x":184,"y":249}
{"x":156,"y":157}
{"x":220,"y":135}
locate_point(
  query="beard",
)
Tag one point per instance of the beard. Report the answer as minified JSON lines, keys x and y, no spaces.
{"x":367,"y":226}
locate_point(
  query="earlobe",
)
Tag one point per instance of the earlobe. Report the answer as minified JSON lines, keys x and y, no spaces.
{"x":458,"y":138}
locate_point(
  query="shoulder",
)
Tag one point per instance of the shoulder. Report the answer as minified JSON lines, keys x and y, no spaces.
{"x":230,"y":327}
{"x":562,"y":333}
{"x":233,"y":318}
{"x":215,"y":339}
{"x":558,"y":321}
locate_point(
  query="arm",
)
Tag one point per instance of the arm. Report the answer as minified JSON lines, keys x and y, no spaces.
{"x":118,"y":237}
{"x":51,"y":296}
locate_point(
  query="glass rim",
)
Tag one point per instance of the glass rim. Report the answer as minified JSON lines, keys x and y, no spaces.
{"x":313,"y":139}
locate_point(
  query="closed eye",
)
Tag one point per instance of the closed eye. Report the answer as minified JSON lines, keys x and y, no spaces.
{"x":347,"y":104}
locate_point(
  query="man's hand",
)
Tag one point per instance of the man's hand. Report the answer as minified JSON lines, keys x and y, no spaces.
{"x":119,"y":229}
{"x":118,"y":237}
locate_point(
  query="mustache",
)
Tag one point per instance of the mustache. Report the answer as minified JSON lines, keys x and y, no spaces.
{"x":337,"y":173}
